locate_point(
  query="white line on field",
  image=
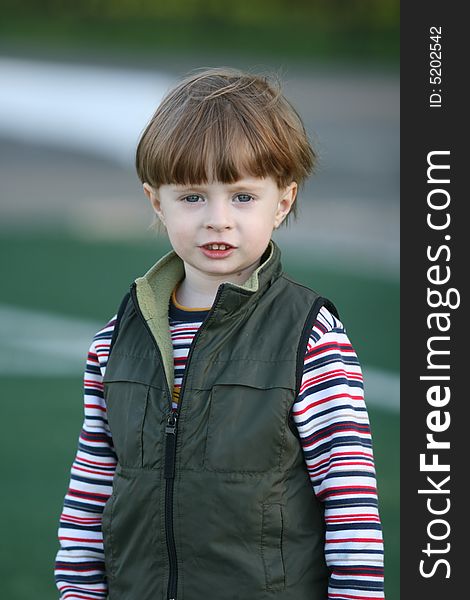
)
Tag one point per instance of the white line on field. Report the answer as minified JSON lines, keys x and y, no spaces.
{"x":39,"y":343}
{"x":96,"y":109}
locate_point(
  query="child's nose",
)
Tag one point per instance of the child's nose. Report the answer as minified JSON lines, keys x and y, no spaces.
{"x":218,"y":215}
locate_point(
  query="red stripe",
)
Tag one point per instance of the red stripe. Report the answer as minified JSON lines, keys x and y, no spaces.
{"x":329,"y":347}
{"x":182,"y":337}
{"x":359,"y":540}
{"x":346,"y":491}
{"x":352,"y":519}
{"x":100,"y":473}
{"x":329,"y":468}
{"x":81,"y":520}
{"x":335,"y":454}
{"x":330,"y":375}
{"x":324,"y":400}
{"x":349,"y":596}
{"x":88,"y":495}
{"x":83,"y":570}
{"x":96,"y":462}
{"x":179,"y":328}
{"x":93,"y":383}
{"x":344,"y":570}
{"x":365,"y":575}
{"x":70,"y":539}
{"x":96,"y":406}
{"x":77,"y":595}
{"x":331,"y":435}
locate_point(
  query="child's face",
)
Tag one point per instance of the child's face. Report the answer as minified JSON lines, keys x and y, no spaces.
{"x":242,"y":215}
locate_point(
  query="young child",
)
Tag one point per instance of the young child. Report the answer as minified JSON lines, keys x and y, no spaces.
{"x":226,"y":450}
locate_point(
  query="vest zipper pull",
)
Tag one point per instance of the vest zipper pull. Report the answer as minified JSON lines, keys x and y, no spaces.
{"x":171,"y":422}
{"x":170,"y":445}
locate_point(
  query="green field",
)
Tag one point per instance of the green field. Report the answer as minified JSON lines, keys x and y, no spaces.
{"x":298,"y":31}
{"x":42,"y":415}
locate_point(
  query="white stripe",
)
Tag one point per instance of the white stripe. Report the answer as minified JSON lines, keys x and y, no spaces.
{"x":95,"y":109}
{"x":42,"y":343}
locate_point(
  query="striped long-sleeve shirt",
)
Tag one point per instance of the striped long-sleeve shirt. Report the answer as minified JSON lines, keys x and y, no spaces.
{"x":334,"y":431}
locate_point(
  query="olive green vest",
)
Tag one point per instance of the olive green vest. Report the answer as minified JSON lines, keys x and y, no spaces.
{"x":214,"y":502}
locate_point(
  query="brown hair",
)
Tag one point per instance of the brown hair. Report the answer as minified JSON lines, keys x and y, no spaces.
{"x":222,"y":124}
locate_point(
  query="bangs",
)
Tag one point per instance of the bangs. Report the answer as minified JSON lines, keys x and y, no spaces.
{"x":222,"y":152}
{"x":214,"y":142}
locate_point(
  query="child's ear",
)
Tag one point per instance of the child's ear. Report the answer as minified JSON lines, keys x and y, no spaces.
{"x":285,"y":203}
{"x":152,"y":195}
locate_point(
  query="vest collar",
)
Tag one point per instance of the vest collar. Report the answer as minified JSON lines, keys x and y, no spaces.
{"x":154,"y":290}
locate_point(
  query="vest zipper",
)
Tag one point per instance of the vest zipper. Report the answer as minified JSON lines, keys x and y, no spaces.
{"x":170,"y":447}
{"x":169,"y":475}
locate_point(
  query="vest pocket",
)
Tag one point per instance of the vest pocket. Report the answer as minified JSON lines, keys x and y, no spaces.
{"x":106,"y":531}
{"x":271,"y":546}
{"x":246,"y":430}
{"x":126,"y":403}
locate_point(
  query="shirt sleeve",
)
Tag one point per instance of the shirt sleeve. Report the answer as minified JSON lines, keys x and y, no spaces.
{"x":79,"y":568}
{"x":334,"y":430}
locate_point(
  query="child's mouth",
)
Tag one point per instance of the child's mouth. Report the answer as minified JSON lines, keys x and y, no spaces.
{"x":217,"y":250}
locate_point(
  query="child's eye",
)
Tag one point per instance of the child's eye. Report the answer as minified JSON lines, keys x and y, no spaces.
{"x":192,"y":198}
{"x":244,"y":197}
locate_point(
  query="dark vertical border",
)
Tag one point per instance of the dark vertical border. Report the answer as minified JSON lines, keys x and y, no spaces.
{"x":434,"y":568}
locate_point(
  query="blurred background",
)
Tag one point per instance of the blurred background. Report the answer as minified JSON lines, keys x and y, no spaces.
{"x":78,"y":83}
